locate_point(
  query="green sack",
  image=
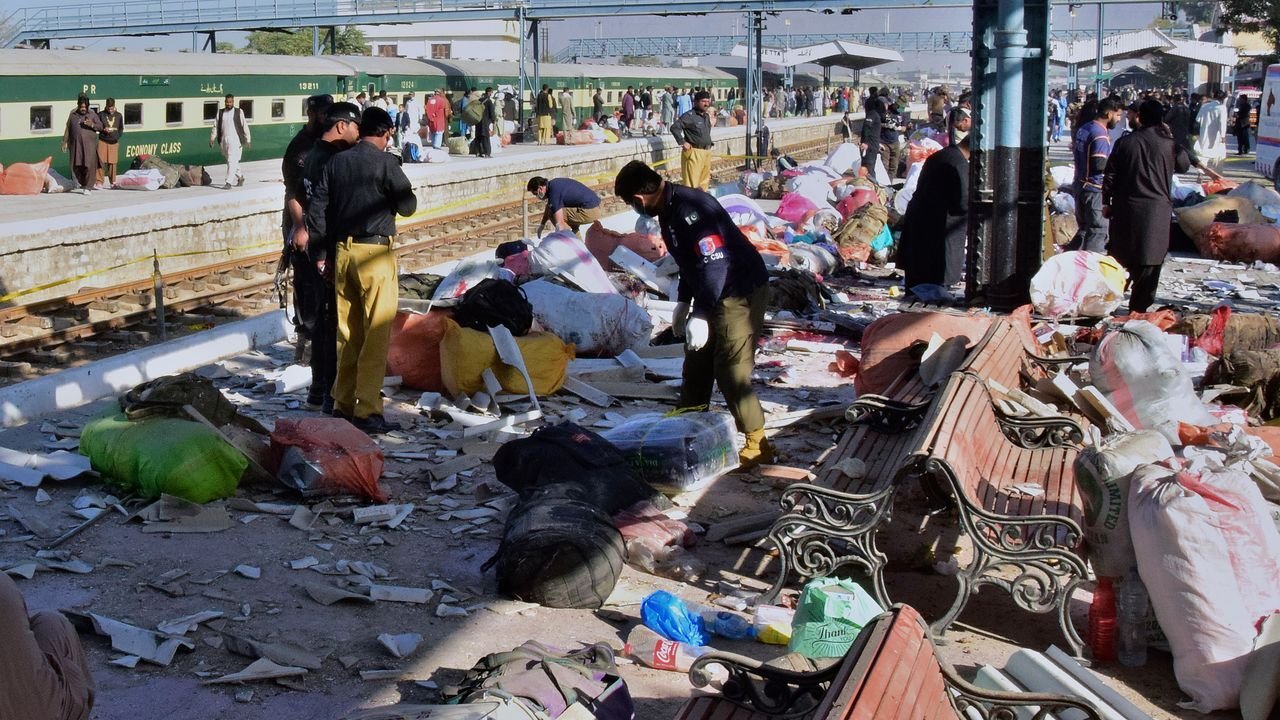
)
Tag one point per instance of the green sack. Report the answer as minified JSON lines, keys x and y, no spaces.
{"x":163,"y":455}
{"x":829,"y":616}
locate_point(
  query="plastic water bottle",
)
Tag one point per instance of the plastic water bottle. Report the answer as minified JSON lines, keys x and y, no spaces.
{"x":652,"y":650}
{"x":1132,"y":603}
{"x":723,"y":623}
{"x":1102,"y":622}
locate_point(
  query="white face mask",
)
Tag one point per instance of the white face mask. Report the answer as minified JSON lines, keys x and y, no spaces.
{"x":961,"y":134}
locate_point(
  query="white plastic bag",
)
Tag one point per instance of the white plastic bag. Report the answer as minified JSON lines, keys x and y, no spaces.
{"x":435,"y":155}
{"x":595,"y":324}
{"x":1064,"y":176}
{"x":1138,"y":372}
{"x":466,"y":275}
{"x":1257,"y":193}
{"x":1207,"y":554}
{"x":903,"y":197}
{"x":678,"y":453}
{"x":1078,"y":283}
{"x":1102,"y":474}
{"x":563,"y":253}
{"x":845,"y":157}
{"x":148,"y":179}
{"x":744,"y":211}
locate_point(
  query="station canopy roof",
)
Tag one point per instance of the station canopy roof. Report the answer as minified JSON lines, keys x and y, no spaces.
{"x":838,"y":53}
{"x":1140,"y":43}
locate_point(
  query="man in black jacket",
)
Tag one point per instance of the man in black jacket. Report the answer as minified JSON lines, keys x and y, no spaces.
{"x":693,"y":131}
{"x":1135,"y":195}
{"x":722,"y":295}
{"x":360,"y":193}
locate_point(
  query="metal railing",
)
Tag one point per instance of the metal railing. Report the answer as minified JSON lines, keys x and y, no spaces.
{"x":958,"y":41}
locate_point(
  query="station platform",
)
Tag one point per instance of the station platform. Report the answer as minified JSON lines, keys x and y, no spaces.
{"x":57,"y":244}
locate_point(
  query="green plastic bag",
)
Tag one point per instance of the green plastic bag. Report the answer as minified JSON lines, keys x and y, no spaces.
{"x":163,"y":456}
{"x":829,"y":616}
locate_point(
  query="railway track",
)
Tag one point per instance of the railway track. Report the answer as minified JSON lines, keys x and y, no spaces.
{"x":44,"y":337}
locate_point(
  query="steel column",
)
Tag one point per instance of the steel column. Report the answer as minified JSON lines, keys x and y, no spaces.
{"x":1010,"y":81}
{"x":749,"y":98}
{"x":537,"y":58}
{"x":315,"y":40}
{"x":1097,"y":72}
{"x":756,"y":68}
{"x":524,"y":86}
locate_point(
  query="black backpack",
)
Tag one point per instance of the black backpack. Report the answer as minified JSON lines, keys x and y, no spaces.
{"x":492,"y":303}
{"x":567,"y":453}
{"x":559,"y":550}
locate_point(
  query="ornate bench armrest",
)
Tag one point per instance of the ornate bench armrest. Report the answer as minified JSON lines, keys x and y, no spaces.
{"x":999,"y":705}
{"x":1059,"y":362}
{"x":773,"y":691}
{"x":1034,"y":433}
{"x":886,"y":415}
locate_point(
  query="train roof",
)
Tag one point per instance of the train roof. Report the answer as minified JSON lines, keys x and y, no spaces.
{"x":79,"y":62}
{"x":503,"y":68}
{"x":379,"y":65}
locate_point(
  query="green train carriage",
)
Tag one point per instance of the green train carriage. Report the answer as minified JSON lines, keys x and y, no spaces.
{"x":169,"y":102}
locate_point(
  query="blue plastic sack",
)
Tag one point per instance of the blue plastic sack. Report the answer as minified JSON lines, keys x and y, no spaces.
{"x":666,"y":615}
{"x":883,"y":241}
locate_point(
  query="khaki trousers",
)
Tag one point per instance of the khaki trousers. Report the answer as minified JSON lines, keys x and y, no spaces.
{"x":43,"y":671}
{"x":368,"y":292}
{"x":546,"y":130}
{"x":728,"y":359}
{"x":577,"y":217}
{"x":695,"y":168}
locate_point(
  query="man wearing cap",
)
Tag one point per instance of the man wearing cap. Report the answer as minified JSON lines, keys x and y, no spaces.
{"x":722,"y":295}
{"x":355,"y":203}
{"x":306,"y":284}
{"x":570,"y":204}
{"x":341,"y":130}
{"x":693,"y":131}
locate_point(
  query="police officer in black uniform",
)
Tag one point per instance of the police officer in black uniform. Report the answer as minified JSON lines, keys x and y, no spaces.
{"x":341,"y":127}
{"x":360,"y":192}
{"x":308,"y":288}
{"x":722,"y":295}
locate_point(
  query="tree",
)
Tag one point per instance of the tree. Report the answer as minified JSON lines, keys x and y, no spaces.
{"x":226,"y":47}
{"x":1169,"y":71}
{"x":1258,"y":16}
{"x":298,"y":41}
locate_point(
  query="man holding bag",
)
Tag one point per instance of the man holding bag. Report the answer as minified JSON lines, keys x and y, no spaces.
{"x":722,"y":296}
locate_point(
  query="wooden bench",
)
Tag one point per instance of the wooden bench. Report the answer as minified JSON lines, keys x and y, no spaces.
{"x":892,"y":672}
{"x":831,"y":523}
{"x":965,"y":451}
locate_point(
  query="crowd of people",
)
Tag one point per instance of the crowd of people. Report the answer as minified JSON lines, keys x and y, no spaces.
{"x":1125,"y":155}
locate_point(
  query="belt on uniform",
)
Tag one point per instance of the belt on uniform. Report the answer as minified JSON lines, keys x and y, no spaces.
{"x":370,"y":239}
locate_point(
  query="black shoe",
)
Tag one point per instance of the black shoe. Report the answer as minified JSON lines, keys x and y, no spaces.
{"x":315,"y":400}
{"x":326,"y":407}
{"x":374,"y":425}
{"x":343,"y":416}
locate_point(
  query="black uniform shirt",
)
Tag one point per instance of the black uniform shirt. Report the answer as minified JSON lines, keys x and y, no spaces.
{"x":716,"y":260}
{"x":291,"y":167}
{"x":319,"y":247}
{"x":361,"y":190}
{"x":694,"y":128}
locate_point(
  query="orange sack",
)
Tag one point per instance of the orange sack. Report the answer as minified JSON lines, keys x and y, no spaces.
{"x":887,"y":344}
{"x":414,"y":352}
{"x":601,"y":242}
{"x":348,"y":461}
{"x":24,"y":178}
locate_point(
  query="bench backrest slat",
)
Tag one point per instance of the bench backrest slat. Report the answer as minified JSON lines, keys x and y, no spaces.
{"x":898,"y":676}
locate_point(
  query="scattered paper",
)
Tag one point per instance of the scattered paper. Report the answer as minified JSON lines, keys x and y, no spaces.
{"x":261,"y":669}
{"x":400,"y":646}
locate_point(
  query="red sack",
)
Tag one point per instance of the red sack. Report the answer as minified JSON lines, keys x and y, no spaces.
{"x":24,"y":178}
{"x":348,"y":461}
{"x":1213,"y":187}
{"x":859,"y":197}
{"x":1241,"y":243}
{"x":578,"y":137}
{"x":887,"y":343}
{"x":601,"y":242}
{"x":645,"y":520}
{"x":414,"y":352}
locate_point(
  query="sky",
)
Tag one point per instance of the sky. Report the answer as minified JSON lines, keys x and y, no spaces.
{"x":1118,"y":16}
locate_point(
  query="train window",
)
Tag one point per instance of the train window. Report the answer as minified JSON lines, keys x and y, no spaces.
{"x":41,"y":117}
{"x":173,"y":113}
{"x":609,"y":97}
{"x":246,"y":107}
{"x":211,"y":110}
{"x":277,"y":109}
{"x":132,"y":114}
